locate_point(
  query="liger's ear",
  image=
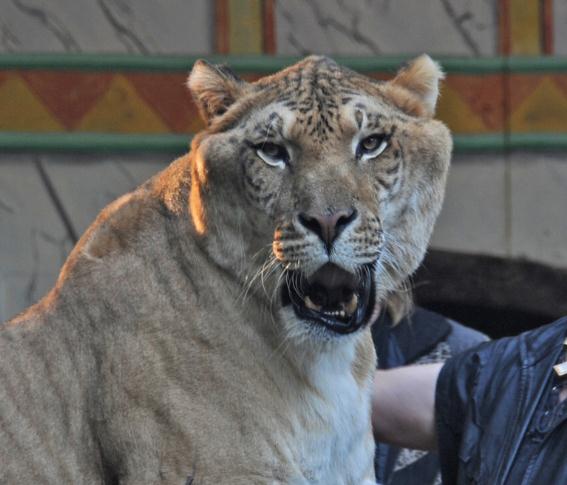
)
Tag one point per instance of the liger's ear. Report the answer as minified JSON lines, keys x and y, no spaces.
{"x":421,"y":77}
{"x":214,"y":89}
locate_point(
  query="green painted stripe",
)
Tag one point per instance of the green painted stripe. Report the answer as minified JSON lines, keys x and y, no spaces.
{"x":515,"y":141}
{"x":536,"y":64}
{"x":480,"y":143}
{"x":97,"y":142}
{"x":538,"y":141}
{"x":267,"y":64}
{"x":92,"y":142}
{"x":119,"y":62}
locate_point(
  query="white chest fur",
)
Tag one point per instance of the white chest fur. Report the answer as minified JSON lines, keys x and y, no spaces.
{"x":334,"y":435}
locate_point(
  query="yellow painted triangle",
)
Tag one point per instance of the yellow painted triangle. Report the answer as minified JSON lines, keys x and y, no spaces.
{"x":195,"y":125}
{"x":457,"y":114}
{"x":22,"y":110}
{"x":121,"y":110}
{"x":545,"y":110}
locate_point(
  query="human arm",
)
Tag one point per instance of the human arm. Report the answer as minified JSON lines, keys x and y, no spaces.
{"x":403,"y":406}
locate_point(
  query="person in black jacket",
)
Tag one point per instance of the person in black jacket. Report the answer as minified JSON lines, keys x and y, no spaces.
{"x":497,"y":413}
{"x":421,"y":337}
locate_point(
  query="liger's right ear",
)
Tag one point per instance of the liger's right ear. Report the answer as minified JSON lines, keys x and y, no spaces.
{"x":214,"y":89}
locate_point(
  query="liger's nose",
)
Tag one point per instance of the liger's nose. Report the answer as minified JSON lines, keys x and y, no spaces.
{"x":328,"y":226}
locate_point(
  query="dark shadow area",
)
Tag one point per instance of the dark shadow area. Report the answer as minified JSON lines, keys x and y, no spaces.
{"x":498,"y":296}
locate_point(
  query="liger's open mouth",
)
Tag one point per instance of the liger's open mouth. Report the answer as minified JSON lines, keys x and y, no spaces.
{"x":333,"y":297}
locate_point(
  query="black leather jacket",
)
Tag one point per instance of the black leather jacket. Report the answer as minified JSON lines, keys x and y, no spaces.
{"x":498,"y":415}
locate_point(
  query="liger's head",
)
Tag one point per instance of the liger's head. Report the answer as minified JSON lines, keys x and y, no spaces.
{"x":336,"y":177}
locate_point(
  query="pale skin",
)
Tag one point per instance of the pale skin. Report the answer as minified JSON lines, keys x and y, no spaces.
{"x":403,"y":406}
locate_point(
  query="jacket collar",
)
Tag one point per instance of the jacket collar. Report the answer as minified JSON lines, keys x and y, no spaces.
{"x":415,"y":335}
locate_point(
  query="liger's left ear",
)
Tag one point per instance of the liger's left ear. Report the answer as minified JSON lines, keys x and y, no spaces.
{"x":214,"y":88}
{"x":421,"y":77}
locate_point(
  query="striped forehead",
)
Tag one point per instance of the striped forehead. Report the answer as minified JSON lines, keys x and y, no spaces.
{"x":272,"y":121}
{"x":314,"y":95}
{"x":366,"y":112}
{"x":282,"y":120}
{"x":315,"y":117}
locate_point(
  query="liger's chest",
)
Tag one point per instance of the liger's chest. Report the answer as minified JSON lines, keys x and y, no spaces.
{"x":334,"y":441}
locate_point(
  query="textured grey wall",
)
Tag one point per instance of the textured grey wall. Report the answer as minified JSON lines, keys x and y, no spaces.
{"x":46,"y":199}
{"x":560,"y":27}
{"x":355,"y":27}
{"x":347,"y":27}
{"x":135,"y":26}
{"x":507,"y":205}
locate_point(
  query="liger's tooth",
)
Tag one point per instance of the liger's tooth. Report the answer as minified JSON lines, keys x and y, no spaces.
{"x":309,"y":304}
{"x":350,"y":307}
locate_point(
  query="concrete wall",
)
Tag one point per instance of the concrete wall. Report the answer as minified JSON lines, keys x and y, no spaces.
{"x":133,"y":26}
{"x":509,"y":205}
{"x":356,"y":27}
{"x":560,"y":27}
{"x":47,"y":199}
{"x":353,"y":27}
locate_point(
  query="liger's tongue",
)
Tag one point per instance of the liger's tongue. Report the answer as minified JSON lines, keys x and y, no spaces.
{"x":331,"y":290}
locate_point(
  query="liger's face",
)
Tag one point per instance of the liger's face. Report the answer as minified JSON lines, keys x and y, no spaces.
{"x":348,"y":185}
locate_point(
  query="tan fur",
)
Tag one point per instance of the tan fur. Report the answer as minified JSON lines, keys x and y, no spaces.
{"x":421,"y":78}
{"x":365,"y":359}
{"x":164,"y":350}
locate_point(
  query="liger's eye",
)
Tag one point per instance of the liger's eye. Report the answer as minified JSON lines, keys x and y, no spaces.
{"x":273,"y":154}
{"x":371,"y":146}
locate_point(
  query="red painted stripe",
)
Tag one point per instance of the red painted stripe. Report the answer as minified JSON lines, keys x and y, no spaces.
{"x":269,"y":27}
{"x":222,"y":44}
{"x":547,"y":26}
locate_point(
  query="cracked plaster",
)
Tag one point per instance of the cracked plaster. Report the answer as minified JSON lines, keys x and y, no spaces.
{"x":366,"y":27}
{"x":121,"y":26}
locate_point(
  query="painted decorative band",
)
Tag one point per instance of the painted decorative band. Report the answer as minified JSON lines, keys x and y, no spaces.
{"x":142,"y":97}
{"x":100,"y":142}
{"x":92,"y":142}
{"x":267,"y":64}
